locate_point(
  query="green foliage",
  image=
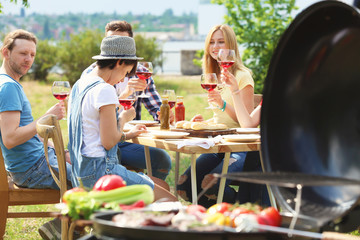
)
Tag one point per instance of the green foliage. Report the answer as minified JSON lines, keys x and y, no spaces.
{"x":75,"y":55}
{"x":46,"y":58}
{"x":149,"y":49}
{"x":24,"y":3}
{"x":198,"y":60}
{"x":258,"y":25}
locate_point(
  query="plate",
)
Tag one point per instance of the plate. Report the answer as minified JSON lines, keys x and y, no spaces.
{"x":248,"y":130}
{"x":147,"y":123}
{"x":242,"y":137}
{"x":167,"y":134}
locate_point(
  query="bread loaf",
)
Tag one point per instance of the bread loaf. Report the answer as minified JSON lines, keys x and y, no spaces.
{"x":199,"y":125}
{"x":208,"y":126}
{"x":187,"y":125}
{"x":180,"y":124}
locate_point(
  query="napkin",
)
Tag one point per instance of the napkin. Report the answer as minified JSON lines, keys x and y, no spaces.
{"x":205,"y":143}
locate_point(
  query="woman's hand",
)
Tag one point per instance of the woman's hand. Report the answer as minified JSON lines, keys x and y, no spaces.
{"x":229,"y":79}
{"x":215,"y":97}
{"x":136,"y":131}
{"x":197,"y":118}
{"x":128,"y":115}
{"x":58,"y":110}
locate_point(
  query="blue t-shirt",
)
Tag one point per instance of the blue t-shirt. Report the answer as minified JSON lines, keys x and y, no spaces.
{"x":13,"y":98}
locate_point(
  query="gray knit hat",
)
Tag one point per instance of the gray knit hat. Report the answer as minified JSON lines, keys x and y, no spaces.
{"x":117,"y":47}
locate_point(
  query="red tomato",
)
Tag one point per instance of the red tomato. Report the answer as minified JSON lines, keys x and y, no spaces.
{"x":70,"y":192}
{"x":219,"y":208}
{"x":240,"y":210}
{"x":271,"y":216}
{"x":192,"y":209}
{"x":109,"y":182}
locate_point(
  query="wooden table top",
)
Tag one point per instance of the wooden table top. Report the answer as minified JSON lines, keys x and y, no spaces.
{"x":171,"y":144}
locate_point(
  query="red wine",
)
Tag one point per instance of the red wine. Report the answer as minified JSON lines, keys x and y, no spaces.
{"x":226,"y":64}
{"x":209,"y":86}
{"x":143,"y":75}
{"x":126,"y":103}
{"x":60,"y":96}
{"x":172,"y":104}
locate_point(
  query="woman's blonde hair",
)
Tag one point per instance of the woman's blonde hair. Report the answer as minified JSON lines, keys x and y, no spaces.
{"x":210,"y":65}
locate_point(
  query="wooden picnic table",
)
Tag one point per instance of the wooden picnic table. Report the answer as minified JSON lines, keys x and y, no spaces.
{"x":172,"y":145}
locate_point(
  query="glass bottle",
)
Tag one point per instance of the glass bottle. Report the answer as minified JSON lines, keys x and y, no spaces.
{"x":165,"y":114}
{"x":179,"y":109}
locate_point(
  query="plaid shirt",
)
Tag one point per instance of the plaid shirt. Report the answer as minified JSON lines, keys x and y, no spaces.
{"x":152,"y":103}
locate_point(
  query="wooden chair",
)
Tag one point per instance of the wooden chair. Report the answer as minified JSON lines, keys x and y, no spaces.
{"x":11,"y":195}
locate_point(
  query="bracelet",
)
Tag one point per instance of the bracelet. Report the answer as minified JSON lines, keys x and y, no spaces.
{"x":223,"y":107}
{"x":123,"y":137}
{"x":236,"y":92}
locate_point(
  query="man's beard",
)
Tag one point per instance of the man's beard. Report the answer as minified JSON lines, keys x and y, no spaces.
{"x":16,"y":68}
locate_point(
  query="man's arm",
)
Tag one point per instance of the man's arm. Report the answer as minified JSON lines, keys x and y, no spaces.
{"x":12,"y":134}
{"x":152,"y":103}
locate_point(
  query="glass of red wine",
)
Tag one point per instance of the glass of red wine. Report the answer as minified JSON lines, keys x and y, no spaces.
{"x":60,"y":90}
{"x":209,"y":82}
{"x":226,"y":58}
{"x":171,"y":96}
{"x":129,"y":101}
{"x":144,"y":71}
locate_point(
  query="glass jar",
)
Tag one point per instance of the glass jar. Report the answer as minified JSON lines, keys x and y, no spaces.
{"x":179,"y":109}
{"x":165,"y":114}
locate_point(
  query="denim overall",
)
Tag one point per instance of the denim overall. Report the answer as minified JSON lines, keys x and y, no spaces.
{"x":89,"y":169}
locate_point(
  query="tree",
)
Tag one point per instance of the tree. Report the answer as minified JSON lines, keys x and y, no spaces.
{"x":76,"y":53}
{"x":149,"y":49}
{"x":258,"y":25}
{"x":25,"y":3}
{"x":46,"y":58}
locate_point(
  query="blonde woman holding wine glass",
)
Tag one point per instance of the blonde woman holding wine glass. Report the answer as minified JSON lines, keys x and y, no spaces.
{"x":220,"y":37}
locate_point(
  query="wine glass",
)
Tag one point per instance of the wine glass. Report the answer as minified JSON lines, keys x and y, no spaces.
{"x":209,"y":81}
{"x":171,"y":96}
{"x":144,"y":71}
{"x":226,"y":58}
{"x":60,"y":90}
{"x":129,"y":101}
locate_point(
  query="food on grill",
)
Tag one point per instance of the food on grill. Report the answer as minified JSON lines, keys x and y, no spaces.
{"x":80,"y":204}
{"x":197,"y":218}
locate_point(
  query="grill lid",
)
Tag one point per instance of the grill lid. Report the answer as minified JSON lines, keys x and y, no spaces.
{"x":311,"y":111}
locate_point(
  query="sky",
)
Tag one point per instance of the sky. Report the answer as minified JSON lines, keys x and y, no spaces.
{"x":155,"y":7}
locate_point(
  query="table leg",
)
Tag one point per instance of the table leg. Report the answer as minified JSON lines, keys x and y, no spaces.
{"x":223,"y":179}
{"x":177,"y":159}
{"x":271,"y":195}
{"x":193,"y":179}
{"x":148,"y":161}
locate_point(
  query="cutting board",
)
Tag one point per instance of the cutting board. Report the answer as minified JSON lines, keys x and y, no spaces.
{"x":205,"y":133}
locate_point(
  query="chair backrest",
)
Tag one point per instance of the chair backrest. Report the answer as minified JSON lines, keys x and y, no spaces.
{"x":3,"y":175}
{"x":49,"y":127}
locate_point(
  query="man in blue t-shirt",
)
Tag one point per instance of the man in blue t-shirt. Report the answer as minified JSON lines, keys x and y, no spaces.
{"x":22,"y":149}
